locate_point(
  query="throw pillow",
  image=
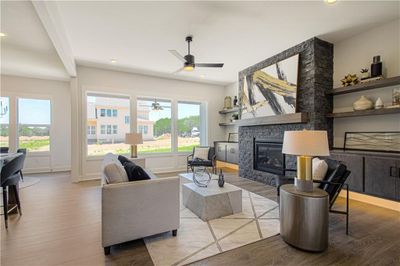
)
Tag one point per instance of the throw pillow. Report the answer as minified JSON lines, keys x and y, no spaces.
{"x":123,"y":159}
{"x":135,"y":172}
{"x":319,"y":170}
{"x":201,"y":153}
{"x":114,"y":173}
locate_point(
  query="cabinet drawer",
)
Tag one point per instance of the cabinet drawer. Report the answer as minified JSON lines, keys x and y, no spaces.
{"x":232,"y":153}
{"x":354,"y":163}
{"x":220,"y":151}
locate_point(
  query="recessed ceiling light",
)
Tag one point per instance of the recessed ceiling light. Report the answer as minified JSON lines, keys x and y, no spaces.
{"x":330,"y":1}
{"x":2,"y":34}
{"x":113,"y":61}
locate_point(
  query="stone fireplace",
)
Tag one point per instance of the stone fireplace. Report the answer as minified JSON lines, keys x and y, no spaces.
{"x":315,"y":78}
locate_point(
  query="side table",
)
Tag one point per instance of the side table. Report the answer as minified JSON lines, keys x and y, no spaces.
{"x":304,"y":218}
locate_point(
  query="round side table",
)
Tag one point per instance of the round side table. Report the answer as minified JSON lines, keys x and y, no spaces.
{"x":304,"y":218}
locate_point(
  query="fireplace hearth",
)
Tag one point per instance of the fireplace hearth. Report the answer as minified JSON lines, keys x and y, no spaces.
{"x":268,"y":157}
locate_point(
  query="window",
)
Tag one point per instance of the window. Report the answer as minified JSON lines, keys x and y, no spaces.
{"x":189,"y":126}
{"x":112,"y":121}
{"x":4,"y":121}
{"x":91,"y":130}
{"x":157,"y":135}
{"x":34,"y":120}
{"x":127,"y":120}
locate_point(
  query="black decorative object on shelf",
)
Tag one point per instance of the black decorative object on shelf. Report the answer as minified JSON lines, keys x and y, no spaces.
{"x":376,"y":67}
{"x":235,"y":101}
{"x":221,"y":180}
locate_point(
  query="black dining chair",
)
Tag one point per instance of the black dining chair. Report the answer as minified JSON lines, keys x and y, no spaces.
{"x":10,"y":176}
{"x":23,"y":151}
{"x":4,"y":149}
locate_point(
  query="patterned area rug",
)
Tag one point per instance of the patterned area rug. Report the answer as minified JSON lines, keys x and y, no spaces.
{"x":197,"y":239}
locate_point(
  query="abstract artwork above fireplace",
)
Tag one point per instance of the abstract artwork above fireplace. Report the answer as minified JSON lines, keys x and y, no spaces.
{"x":271,"y":90}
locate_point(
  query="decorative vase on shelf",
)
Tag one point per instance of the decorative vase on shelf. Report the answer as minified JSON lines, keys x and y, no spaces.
{"x":363,"y":104}
{"x":235,"y":101}
{"x":221,"y":180}
{"x":379,"y":103}
{"x":228,"y":103}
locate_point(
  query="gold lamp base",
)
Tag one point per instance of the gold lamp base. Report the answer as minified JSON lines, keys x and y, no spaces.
{"x":133,"y":151}
{"x":303,"y":181}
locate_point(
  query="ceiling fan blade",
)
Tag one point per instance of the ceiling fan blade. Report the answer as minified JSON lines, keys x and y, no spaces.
{"x":177,"y":71}
{"x":177,"y":55}
{"x":209,"y":64}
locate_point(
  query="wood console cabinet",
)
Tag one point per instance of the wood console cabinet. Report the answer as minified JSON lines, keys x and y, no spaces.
{"x":227,"y":151}
{"x":373,"y":174}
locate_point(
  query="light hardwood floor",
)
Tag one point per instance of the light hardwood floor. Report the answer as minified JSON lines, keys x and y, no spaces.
{"x":61,"y":226}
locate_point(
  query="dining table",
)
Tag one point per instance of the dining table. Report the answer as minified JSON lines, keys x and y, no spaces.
{"x":4,"y":159}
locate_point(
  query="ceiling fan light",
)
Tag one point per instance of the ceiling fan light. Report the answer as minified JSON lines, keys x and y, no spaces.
{"x":188,"y":68}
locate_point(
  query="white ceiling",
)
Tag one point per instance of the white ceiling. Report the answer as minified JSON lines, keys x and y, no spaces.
{"x":27,"y":49}
{"x":139,"y":34}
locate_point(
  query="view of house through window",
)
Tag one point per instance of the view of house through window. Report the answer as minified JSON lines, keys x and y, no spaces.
{"x":34,"y":121}
{"x":107,"y":123}
{"x":4,"y":121}
{"x":154,"y":122}
{"x":188,"y":126}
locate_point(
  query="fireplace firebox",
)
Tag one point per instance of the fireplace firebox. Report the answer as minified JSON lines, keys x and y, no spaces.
{"x":268,"y":157}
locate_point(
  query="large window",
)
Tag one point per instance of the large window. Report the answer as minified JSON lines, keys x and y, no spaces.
{"x":112,"y":122}
{"x":34,"y":120}
{"x":154,"y":122}
{"x":189,"y":126}
{"x":4,"y":121}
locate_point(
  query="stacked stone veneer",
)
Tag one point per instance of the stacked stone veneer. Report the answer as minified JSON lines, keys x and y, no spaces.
{"x":315,"y":78}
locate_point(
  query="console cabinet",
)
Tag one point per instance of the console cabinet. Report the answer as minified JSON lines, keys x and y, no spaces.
{"x":372,"y":174}
{"x":227,"y":152}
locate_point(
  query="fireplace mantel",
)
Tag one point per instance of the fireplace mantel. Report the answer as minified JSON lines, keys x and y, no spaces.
{"x":295,"y":118}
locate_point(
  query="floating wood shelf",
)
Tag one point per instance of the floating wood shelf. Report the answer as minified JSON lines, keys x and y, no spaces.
{"x":271,"y":120}
{"x":228,"y":111}
{"x":227,"y":124}
{"x":383,"y":111}
{"x":375,"y":84}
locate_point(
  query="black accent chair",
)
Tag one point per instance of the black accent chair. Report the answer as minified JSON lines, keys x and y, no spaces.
{"x":194,"y":162}
{"x":23,"y":151}
{"x":4,"y":149}
{"x":335,"y":179}
{"x":10,"y":176}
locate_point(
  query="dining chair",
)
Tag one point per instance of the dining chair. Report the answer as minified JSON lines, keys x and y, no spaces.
{"x":4,"y":149}
{"x":10,"y":176}
{"x":23,"y":151}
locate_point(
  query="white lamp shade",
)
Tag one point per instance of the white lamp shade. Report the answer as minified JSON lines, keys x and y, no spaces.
{"x":133,"y":138}
{"x":306,"y":143}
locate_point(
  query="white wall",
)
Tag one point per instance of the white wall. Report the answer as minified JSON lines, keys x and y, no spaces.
{"x":107,"y":81}
{"x":350,"y":56}
{"x":59,"y":158}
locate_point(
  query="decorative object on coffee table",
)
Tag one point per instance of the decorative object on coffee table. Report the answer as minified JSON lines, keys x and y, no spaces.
{"x":349,"y":80}
{"x":376,"y":66}
{"x":364,"y":73}
{"x":201,"y":176}
{"x":363,"y":104}
{"x":372,"y":141}
{"x":305,"y":144}
{"x":221,"y":179}
{"x":133,"y":139}
{"x":379,"y":103}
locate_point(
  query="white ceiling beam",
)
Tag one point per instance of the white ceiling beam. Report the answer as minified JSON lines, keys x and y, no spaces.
{"x":48,"y":14}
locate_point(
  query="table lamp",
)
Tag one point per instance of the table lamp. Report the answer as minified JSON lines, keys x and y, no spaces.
{"x":305,"y":144}
{"x":133,"y":139}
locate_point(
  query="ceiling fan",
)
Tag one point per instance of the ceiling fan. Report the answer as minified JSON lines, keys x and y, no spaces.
{"x":188,"y":60}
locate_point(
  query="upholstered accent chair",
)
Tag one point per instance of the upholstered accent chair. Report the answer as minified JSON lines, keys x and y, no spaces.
{"x":202,"y":156}
{"x":137,"y":209}
{"x":335,"y":179}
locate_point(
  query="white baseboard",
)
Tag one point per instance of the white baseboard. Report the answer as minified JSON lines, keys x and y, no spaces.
{"x":43,"y":170}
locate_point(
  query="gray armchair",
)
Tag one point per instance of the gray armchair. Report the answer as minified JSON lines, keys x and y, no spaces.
{"x":195,"y":162}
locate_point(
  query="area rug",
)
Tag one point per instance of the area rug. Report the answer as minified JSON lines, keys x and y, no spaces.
{"x":197,"y":239}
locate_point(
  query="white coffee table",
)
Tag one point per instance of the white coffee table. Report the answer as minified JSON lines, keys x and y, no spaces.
{"x":211,"y":202}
